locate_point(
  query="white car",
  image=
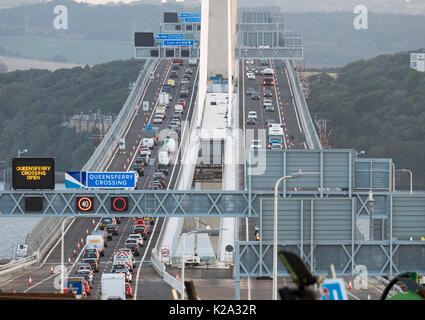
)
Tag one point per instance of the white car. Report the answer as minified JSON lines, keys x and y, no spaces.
{"x":255,"y":144}
{"x":157,"y":119}
{"x":145,"y":150}
{"x":252,"y":114}
{"x":267,"y":102}
{"x":136,"y":237}
{"x":250,"y":75}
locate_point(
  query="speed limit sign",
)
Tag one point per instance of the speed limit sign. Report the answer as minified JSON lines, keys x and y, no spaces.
{"x":84,"y":204}
{"x":165,"y":252}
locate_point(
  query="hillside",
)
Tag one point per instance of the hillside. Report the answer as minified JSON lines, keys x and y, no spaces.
{"x":378,"y":106}
{"x":34,"y":104}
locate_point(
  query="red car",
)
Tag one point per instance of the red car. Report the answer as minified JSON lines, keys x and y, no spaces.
{"x":182,"y":102}
{"x":86,"y":287}
{"x":128,"y":291}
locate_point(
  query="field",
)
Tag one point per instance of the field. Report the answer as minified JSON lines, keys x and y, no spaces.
{"x":76,"y":51}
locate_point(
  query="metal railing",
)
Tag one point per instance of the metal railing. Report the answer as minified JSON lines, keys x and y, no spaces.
{"x":159,"y":267}
{"x":48,"y":230}
{"x":312,"y":138}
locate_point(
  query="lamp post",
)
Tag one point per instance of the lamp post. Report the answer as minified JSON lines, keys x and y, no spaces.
{"x":4,"y":174}
{"x":276,"y":194}
{"x":207,"y":230}
{"x":21,"y":152}
{"x":371,"y":207}
{"x":62,"y":255}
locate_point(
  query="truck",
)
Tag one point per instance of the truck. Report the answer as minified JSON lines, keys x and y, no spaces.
{"x":171,"y":82}
{"x":170,"y":144}
{"x":274,"y":135}
{"x":113,"y":286}
{"x":150,"y":136}
{"x":193,"y":61}
{"x":164,"y":99}
{"x":164,"y":158}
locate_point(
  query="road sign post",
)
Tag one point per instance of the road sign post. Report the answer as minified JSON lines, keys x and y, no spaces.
{"x":165,"y":254}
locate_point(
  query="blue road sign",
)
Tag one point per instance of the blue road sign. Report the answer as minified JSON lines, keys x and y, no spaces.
{"x":189,"y":15}
{"x":75,"y":180}
{"x":177,"y":43}
{"x":191,"y":19}
{"x":111,"y":179}
{"x":333,"y":289}
{"x":169,"y":36}
{"x":76,"y":286}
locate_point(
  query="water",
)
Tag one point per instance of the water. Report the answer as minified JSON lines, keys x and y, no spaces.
{"x":15,"y":230}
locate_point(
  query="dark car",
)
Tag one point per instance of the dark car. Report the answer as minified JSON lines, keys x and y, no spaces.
{"x":91,"y":255}
{"x":173,"y":74}
{"x":93,"y":263}
{"x":255,"y":96}
{"x":139,"y":168}
{"x":142,"y":160}
{"x":133,"y":246}
{"x":113,"y":228}
{"x":175,"y":128}
{"x":176,"y":66}
{"x":268,"y":93}
{"x":250,"y":120}
{"x":188,"y":70}
{"x":184,"y":93}
{"x":105,"y":221}
{"x":86,"y":275}
{"x":159,"y":176}
{"x":162,"y":168}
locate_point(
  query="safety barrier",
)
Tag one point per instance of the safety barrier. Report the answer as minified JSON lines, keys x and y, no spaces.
{"x":159,"y":267}
{"x":48,"y":230}
{"x":312,"y":138}
{"x":172,"y":282}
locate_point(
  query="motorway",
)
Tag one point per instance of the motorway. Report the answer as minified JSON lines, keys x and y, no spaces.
{"x":146,"y":283}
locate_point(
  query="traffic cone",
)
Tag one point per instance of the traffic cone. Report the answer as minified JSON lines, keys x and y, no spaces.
{"x":87,"y":231}
{"x":14,"y":291}
{"x":78,"y":246}
{"x":349,"y":285}
{"x":30,"y":282}
{"x":69,"y":260}
{"x":368,"y":296}
{"x":177,"y":277}
{"x":82,"y":241}
{"x":75,"y":252}
{"x":51,"y":269}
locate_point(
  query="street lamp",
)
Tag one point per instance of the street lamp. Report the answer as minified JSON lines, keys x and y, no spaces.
{"x":62,"y":255}
{"x":371,"y":207}
{"x":22,"y":151}
{"x":403,"y":170}
{"x":4,"y":174}
{"x":207,"y":230}
{"x":276,"y":194}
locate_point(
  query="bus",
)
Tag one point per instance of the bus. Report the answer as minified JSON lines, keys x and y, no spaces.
{"x":268,"y":77}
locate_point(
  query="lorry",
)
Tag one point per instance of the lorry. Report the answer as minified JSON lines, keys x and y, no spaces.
{"x":150,"y":136}
{"x":164,"y":158}
{"x":170,"y":144}
{"x":164,"y":99}
{"x":113,"y":286}
{"x":274,"y":135}
{"x":193,"y":61}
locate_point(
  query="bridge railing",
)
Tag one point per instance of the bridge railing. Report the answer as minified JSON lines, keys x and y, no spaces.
{"x":48,"y":230}
{"x":309,"y":129}
{"x":160,"y":268}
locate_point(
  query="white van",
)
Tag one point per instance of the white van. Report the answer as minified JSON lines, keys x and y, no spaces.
{"x":178,"y":108}
{"x":96,"y":241}
{"x":164,"y":158}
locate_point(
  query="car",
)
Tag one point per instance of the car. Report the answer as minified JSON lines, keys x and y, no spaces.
{"x":92,"y":250}
{"x":142,"y":159}
{"x":269,"y":107}
{"x":250,"y":120}
{"x":252,"y":114}
{"x":133,"y":246}
{"x":136,"y":237}
{"x":250,"y":91}
{"x":250,"y":75}
{"x":105,"y":221}
{"x":145,"y":150}
{"x":157,"y":120}
{"x":176,"y":128}
{"x":268,"y":93}
{"x":173,"y":74}
{"x":139,"y":221}
{"x":113,"y":228}
{"x":185,"y":81}
{"x":255,"y":144}
{"x":128,"y":291}
{"x":86,"y":275}
{"x":86,"y":287}
{"x":258,"y":70}
{"x":122,"y":268}
{"x":269,"y":122}
{"x":184,"y":93}
{"x":267,"y":102}
{"x":83,"y":266}
{"x":93,"y":263}
{"x":174,"y":122}
{"x":275,"y":145}
{"x":91,"y":255}
{"x":188,"y":70}
{"x":255,"y":96}
{"x":141,"y":230}
{"x":175,"y":66}
{"x":162,"y":168}
{"x":159,"y":176}
{"x":182,"y":102}
{"x":139,"y":168}
{"x":268,"y":81}
{"x":186,"y":76}
{"x":264,"y":63}
{"x":129,"y":260}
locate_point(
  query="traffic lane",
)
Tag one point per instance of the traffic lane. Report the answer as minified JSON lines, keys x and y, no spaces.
{"x":290,"y":119}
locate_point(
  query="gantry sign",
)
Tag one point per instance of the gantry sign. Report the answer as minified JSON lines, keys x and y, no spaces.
{"x":261,"y":34}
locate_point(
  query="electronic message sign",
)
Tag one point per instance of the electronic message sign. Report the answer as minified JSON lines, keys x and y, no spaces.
{"x":33,"y":173}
